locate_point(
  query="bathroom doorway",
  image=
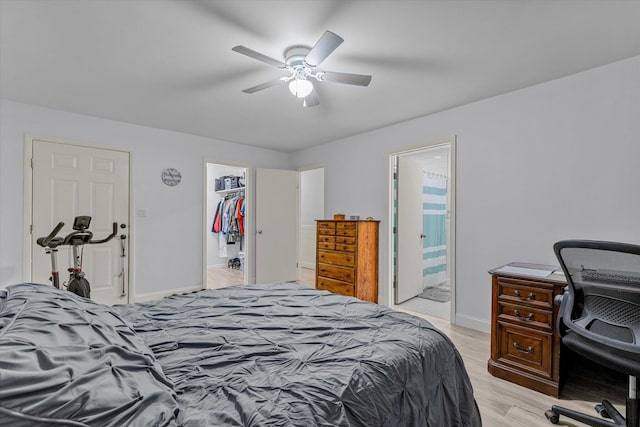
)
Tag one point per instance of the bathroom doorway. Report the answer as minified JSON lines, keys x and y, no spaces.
{"x":423,"y":229}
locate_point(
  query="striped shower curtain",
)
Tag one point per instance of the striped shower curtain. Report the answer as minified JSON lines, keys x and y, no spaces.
{"x":434,"y":252}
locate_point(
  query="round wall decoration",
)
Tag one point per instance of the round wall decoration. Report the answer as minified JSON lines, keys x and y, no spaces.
{"x":171,"y":176}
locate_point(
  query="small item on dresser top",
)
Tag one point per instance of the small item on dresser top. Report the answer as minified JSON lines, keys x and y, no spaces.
{"x":354,"y":217}
{"x":338,"y":216}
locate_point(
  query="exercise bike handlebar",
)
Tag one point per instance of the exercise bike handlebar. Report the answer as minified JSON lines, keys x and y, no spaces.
{"x":44,"y":241}
{"x":109,"y":237}
{"x":86,"y":236}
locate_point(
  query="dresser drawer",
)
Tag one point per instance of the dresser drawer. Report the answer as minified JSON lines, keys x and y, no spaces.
{"x":345,"y":248}
{"x":345,"y":274}
{"x":326,"y":245}
{"x":337,"y":258}
{"x":529,"y":317}
{"x":346,"y":240}
{"x":346,"y":225}
{"x":326,"y":231}
{"x":336,"y":286}
{"x":522,"y":292}
{"x":322,"y":238}
{"x":346,"y":232}
{"x":326,"y":224}
{"x":529,"y":350}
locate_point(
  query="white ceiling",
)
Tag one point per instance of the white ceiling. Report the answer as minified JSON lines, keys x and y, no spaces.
{"x":168,"y":63}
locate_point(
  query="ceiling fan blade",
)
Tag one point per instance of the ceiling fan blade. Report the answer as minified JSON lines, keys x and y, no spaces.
{"x":264,"y":85}
{"x":260,"y":57}
{"x":323,"y":48}
{"x":346,"y":78}
{"x":311,"y":100}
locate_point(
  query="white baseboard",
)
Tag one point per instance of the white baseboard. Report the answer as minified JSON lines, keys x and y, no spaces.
{"x":473,"y":323}
{"x":161,"y":294}
{"x":310,"y":265}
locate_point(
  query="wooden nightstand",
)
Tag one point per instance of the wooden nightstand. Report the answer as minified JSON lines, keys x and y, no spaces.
{"x":525,"y":346}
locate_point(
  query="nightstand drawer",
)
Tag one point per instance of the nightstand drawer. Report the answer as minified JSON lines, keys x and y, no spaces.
{"x":345,"y":274}
{"x":529,"y":350}
{"x":337,"y":258}
{"x":335,"y":286}
{"x":517,"y":291}
{"x":528,"y":317}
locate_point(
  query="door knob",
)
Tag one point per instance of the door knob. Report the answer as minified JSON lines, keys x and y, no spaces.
{"x":259,"y":231}
{"x":422,"y":236}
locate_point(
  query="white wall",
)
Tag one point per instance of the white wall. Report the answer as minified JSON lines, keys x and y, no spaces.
{"x":168,"y":243}
{"x":311,"y":196}
{"x":555,"y":161}
{"x":311,"y":209}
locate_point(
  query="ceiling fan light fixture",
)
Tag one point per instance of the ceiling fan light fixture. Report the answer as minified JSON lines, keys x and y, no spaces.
{"x":300,"y":88}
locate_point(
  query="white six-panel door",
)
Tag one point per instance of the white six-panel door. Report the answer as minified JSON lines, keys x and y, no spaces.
{"x":276,"y":225}
{"x":71,"y":180}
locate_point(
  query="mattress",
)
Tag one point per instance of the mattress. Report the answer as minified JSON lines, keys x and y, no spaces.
{"x":260,"y":355}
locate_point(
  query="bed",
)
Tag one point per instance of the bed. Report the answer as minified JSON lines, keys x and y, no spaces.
{"x":258,"y":355}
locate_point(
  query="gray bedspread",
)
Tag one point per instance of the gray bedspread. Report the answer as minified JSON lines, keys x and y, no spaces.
{"x":287,"y":355}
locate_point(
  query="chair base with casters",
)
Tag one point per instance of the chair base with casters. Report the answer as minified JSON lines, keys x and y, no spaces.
{"x":610,"y":415}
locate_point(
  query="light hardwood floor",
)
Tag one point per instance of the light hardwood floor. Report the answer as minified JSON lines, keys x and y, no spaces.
{"x":222,"y":277}
{"x":503,"y":403}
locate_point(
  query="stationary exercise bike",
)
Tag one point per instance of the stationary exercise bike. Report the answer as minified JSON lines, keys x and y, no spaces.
{"x":76,"y":239}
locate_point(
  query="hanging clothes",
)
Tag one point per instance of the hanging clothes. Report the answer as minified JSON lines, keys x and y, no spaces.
{"x":228,"y":222}
{"x":217,"y":218}
{"x":240,"y":215}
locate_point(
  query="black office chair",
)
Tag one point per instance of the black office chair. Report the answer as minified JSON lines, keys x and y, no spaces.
{"x":599,"y":318}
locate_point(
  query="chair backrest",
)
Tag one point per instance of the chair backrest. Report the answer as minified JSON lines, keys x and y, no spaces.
{"x":603,"y":291}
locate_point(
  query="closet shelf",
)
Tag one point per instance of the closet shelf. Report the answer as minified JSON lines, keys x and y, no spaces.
{"x":231,"y":190}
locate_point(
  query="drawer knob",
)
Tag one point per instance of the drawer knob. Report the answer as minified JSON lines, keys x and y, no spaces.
{"x":525,"y":319}
{"x":530,"y":297}
{"x":522,"y":350}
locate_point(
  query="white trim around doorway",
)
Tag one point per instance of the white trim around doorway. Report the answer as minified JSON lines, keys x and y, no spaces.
{"x":28,"y":205}
{"x":451,"y":257}
{"x":249,"y":273}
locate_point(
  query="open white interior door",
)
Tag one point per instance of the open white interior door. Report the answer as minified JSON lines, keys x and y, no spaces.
{"x":410,"y":229}
{"x":276,"y":225}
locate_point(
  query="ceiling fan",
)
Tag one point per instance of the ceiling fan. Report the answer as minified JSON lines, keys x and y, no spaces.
{"x":301,"y":62}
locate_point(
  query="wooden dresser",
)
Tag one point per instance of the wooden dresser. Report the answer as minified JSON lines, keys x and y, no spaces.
{"x":347,"y":258}
{"x":525,"y":346}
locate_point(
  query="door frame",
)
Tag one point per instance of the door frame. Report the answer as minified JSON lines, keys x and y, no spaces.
{"x":451,"y":251}
{"x":324,"y":202}
{"x":249,"y":264}
{"x":28,"y":205}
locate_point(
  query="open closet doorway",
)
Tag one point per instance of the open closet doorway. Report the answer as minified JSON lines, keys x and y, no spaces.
{"x":423,"y":229}
{"x":311,"y":209}
{"x":225,"y":224}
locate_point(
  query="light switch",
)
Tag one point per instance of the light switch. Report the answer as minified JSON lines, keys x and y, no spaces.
{"x":142,"y":213}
